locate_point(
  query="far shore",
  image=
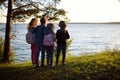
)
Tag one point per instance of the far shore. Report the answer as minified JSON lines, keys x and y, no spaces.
{"x":77,"y":23}
{"x":94,"y":23}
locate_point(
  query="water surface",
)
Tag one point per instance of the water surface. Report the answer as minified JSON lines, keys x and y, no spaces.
{"x":86,"y":38}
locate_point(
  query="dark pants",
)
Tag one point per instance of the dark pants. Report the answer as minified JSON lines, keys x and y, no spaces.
{"x":40,"y":48}
{"x":49,"y":57}
{"x":59,"y":49}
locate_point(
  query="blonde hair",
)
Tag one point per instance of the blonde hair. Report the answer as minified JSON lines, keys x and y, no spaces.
{"x":31,"y":23}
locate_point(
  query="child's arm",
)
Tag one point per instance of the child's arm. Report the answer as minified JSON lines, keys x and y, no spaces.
{"x":33,"y":30}
{"x":67,"y":36}
{"x":56,"y":35}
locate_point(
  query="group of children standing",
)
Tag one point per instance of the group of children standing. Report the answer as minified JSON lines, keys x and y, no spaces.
{"x":45,"y":32}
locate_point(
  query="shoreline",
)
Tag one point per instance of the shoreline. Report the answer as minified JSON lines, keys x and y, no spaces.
{"x":76,"y":23}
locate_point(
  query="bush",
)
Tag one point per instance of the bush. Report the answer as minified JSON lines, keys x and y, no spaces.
{"x":69,"y":41}
{"x":11,"y":54}
{"x":1,"y":48}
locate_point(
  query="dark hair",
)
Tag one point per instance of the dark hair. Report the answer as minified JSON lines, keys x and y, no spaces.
{"x":62,"y":25}
{"x":31,"y":23}
{"x":43,"y":20}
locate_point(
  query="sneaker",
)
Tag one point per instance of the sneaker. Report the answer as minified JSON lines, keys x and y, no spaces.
{"x":50,"y":65}
{"x":63,"y":64}
{"x":56,"y":64}
{"x":35,"y":66}
{"x":42,"y":66}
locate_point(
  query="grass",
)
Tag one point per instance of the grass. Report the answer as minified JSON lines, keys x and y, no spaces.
{"x":101,"y":66}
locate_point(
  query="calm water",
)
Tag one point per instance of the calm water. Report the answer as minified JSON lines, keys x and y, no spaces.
{"x":87,"y":38}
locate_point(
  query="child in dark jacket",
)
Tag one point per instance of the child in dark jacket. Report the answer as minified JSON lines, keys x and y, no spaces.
{"x":61,"y":36}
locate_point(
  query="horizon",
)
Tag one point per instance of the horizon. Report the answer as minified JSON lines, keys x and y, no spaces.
{"x":69,"y":22}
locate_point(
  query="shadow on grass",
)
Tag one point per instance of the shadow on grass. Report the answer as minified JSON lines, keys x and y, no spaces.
{"x":91,"y":67}
{"x":20,"y":72}
{"x":71,"y":71}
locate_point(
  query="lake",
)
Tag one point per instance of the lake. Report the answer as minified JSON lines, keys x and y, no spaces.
{"x":86,"y":38}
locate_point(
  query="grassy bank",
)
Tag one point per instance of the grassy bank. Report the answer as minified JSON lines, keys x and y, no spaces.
{"x":103,"y":66}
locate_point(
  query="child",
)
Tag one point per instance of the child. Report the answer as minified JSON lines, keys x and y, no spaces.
{"x":61,"y":36}
{"x":49,"y":44}
{"x":33,"y":23}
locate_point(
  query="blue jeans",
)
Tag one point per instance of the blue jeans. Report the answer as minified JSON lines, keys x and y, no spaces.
{"x":40,"y":48}
{"x":49,"y":57}
{"x":59,"y":49}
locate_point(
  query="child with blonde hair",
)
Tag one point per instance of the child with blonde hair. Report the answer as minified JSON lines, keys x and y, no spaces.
{"x":31,"y":26}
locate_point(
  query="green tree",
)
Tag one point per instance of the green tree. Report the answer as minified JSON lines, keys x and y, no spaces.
{"x":2,"y":1}
{"x":38,"y":8}
{"x":20,"y":10}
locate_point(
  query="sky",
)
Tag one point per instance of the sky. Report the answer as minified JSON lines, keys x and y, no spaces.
{"x":90,"y":10}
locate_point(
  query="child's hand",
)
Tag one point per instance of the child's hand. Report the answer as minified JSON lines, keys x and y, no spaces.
{"x":55,"y":48}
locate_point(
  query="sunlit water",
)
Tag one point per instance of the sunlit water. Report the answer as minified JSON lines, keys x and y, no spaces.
{"x":86,"y":38}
